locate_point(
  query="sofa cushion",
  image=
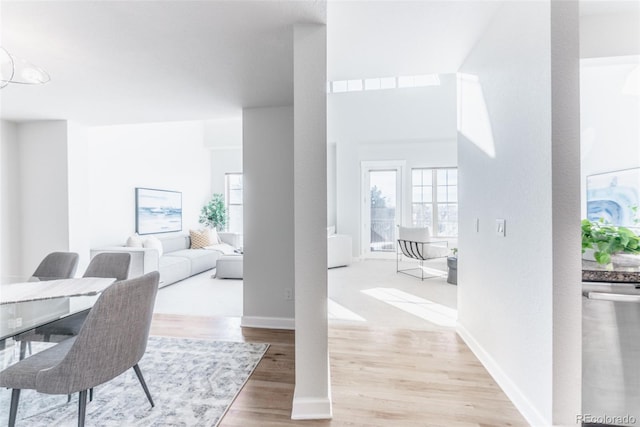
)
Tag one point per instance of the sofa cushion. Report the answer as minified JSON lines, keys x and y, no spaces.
{"x":134,"y":241}
{"x":223,"y":248}
{"x":200,"y":259}
{"x":230,"y":267}
{"x":175,"y":243}
{"x":153,"y":242}
{"x":173,"y":268}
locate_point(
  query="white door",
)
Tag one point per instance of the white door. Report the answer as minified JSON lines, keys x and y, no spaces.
{"x":382,"y":208}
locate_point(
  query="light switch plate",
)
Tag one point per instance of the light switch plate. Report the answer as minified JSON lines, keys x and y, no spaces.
{"x":501,"y":227}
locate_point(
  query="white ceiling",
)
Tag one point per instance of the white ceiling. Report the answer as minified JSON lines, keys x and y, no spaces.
{"x":134,"y":61}
{"x":138,"y":61}
{"x":394,"y":38}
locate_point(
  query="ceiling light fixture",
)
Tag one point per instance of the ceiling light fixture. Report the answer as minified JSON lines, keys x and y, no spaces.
{"x":17,"y":70}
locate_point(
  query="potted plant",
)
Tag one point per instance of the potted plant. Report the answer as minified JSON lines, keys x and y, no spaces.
{"x":607,"y":241}
{"x":214,"y":213}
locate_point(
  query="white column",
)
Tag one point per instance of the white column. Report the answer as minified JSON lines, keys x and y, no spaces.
{"x":312,"y":397}
{"x":565,"y":172}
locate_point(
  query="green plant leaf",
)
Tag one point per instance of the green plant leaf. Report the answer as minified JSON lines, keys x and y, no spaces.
{"x":602,"y":257}
{"x":607,"y":239}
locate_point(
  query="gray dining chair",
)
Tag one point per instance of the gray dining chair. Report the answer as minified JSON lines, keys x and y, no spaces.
{"x":109,"y":264}
{"x":112,"y":340}
{"x":57,"y":265}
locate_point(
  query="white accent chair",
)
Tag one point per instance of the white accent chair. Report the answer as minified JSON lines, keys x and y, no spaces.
{"x":417,"y":243}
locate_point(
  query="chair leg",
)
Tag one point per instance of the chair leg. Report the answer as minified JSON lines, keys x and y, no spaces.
{"x":23,"y":349}
{"x":91,"y":394}
{"x":82,"y":408}
{"x":13,"y":411}
{"x":144,"y":385}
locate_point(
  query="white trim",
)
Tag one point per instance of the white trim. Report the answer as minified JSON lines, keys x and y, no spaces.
{"x":308,"y":408}
{"x":517,"y":397}
{"x":313,"y":408}
{"x":268,"y":322}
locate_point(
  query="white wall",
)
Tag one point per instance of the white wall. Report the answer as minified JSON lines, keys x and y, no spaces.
{"x":10,"y":209}
{"x":223,"y":133}
{"x":514,"y":302}
{"x":268,"y":217}
{"x":168,"y":156}
{"x":426,"y":113}
{"x":44,"y":202}
{"x":223,"y":161}
{"x":612,"y":34}
{"x":224,"y":138}
{"x":78,"y":193}
{"x":610,"y":119}
{"x":417,"y":125}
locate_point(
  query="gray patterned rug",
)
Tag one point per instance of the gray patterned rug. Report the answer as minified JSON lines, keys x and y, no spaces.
{"x":192,"y":382}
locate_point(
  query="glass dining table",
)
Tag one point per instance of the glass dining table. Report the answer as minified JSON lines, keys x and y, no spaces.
{"x":27,"y":307}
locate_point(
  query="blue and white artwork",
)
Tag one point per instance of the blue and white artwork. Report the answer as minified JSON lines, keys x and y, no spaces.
{"x":614,"y":197}
{"x":158,"y":211}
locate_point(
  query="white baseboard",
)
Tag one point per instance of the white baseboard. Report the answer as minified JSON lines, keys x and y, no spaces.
{"x":268,"y":322}
{"x":305,"y":408}
{"x":520,"y":401}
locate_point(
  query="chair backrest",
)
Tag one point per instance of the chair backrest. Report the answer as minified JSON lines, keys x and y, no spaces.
{"x":414,"y":234}
{"x":57,"y":265}
{"x":415,"y":242}
{"x":109,"y":264}
{"x":112,"y":339}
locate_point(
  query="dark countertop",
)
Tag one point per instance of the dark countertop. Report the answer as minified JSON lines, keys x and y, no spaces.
{"x":594,"y":272}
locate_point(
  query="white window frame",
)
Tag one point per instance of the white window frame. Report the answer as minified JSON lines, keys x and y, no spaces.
{"x":365,"y":195}
{"x":434,"y":199}
{"x":227,"y":198}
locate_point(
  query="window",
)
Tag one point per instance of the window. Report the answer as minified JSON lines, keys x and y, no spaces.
{"x":357,"y":85}
{"x":434,"y":200}
{"x":233,"y":196}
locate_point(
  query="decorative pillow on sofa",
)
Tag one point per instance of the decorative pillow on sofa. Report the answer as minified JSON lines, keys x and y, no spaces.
{"x":134,"y":241}
{"x":201,"y":238}
{"x":152,"y":242}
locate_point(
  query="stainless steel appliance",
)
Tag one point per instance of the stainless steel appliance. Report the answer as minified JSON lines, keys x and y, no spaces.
{"x":611,"y":354}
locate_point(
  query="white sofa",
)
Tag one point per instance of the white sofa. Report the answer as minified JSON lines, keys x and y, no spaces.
{"x":339,"y":249}
{"x":178,"y":261}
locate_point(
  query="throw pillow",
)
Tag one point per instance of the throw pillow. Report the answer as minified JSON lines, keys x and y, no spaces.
{"x":134,"y":241}
{"x":200,"y":238}
{"x":153,"y":242}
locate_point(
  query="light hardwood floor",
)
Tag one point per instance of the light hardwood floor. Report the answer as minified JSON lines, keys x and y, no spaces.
{"x":380,"y":377}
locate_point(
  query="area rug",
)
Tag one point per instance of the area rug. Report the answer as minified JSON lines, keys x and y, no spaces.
{"x":192,"y":382}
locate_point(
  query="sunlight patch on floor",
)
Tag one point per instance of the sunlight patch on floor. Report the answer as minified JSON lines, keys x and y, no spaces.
{"x":340,"y":312}
{"x":412,"y":304}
